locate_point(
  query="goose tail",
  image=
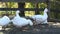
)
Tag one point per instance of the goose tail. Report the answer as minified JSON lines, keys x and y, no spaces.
{"x":30,"y":22}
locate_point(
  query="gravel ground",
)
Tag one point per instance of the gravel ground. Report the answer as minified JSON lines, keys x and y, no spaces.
{"x":52,"y":28}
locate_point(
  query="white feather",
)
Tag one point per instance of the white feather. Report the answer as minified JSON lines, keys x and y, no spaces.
{"x":20,"y":21}
{"x":41,"y":18}
{"x":4,"y":21}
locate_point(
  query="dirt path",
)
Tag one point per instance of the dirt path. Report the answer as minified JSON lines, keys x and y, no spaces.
{"x":52,"y":28}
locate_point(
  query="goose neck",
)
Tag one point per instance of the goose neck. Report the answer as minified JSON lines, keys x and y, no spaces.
{"x":45,"y":13}
{"x":17,"y":14}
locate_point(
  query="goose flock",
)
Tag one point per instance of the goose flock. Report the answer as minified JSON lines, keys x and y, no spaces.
{"x":19,"y":21}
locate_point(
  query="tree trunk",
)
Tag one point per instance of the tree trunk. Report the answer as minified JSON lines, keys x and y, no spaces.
{"x":36,"y":11}
{"x":21,"y":5}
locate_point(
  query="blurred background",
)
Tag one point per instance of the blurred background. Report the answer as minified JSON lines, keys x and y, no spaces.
{"x":54,"y":8}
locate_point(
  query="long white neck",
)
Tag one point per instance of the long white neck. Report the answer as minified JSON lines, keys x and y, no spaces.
{"x":17,"y":14}
{"x":45,"y":14}
{"x":45,"y":11}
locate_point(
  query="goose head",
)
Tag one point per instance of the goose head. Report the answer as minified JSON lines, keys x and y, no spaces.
{"x":45,"y":10}
{"x":17,"y":12}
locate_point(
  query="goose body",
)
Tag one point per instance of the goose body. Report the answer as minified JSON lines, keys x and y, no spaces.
{"x":4,"y":21}
{"x":20,"y":21}
{"x":41,"y":18}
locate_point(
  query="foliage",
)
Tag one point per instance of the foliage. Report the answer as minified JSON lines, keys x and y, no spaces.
{"x":54,"y":5}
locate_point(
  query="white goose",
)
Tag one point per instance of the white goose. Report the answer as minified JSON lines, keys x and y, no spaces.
{"x":41,"y":18}
{"x":20,"y":21}
{"x":4,"y":21}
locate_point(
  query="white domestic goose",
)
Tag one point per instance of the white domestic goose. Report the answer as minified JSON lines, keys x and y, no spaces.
{"x":20,"y":21}
{"x":41,"y":18}
{"x":4,"y":21}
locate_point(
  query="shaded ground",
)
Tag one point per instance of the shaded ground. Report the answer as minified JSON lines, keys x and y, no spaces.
{"x":52,"y":28}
